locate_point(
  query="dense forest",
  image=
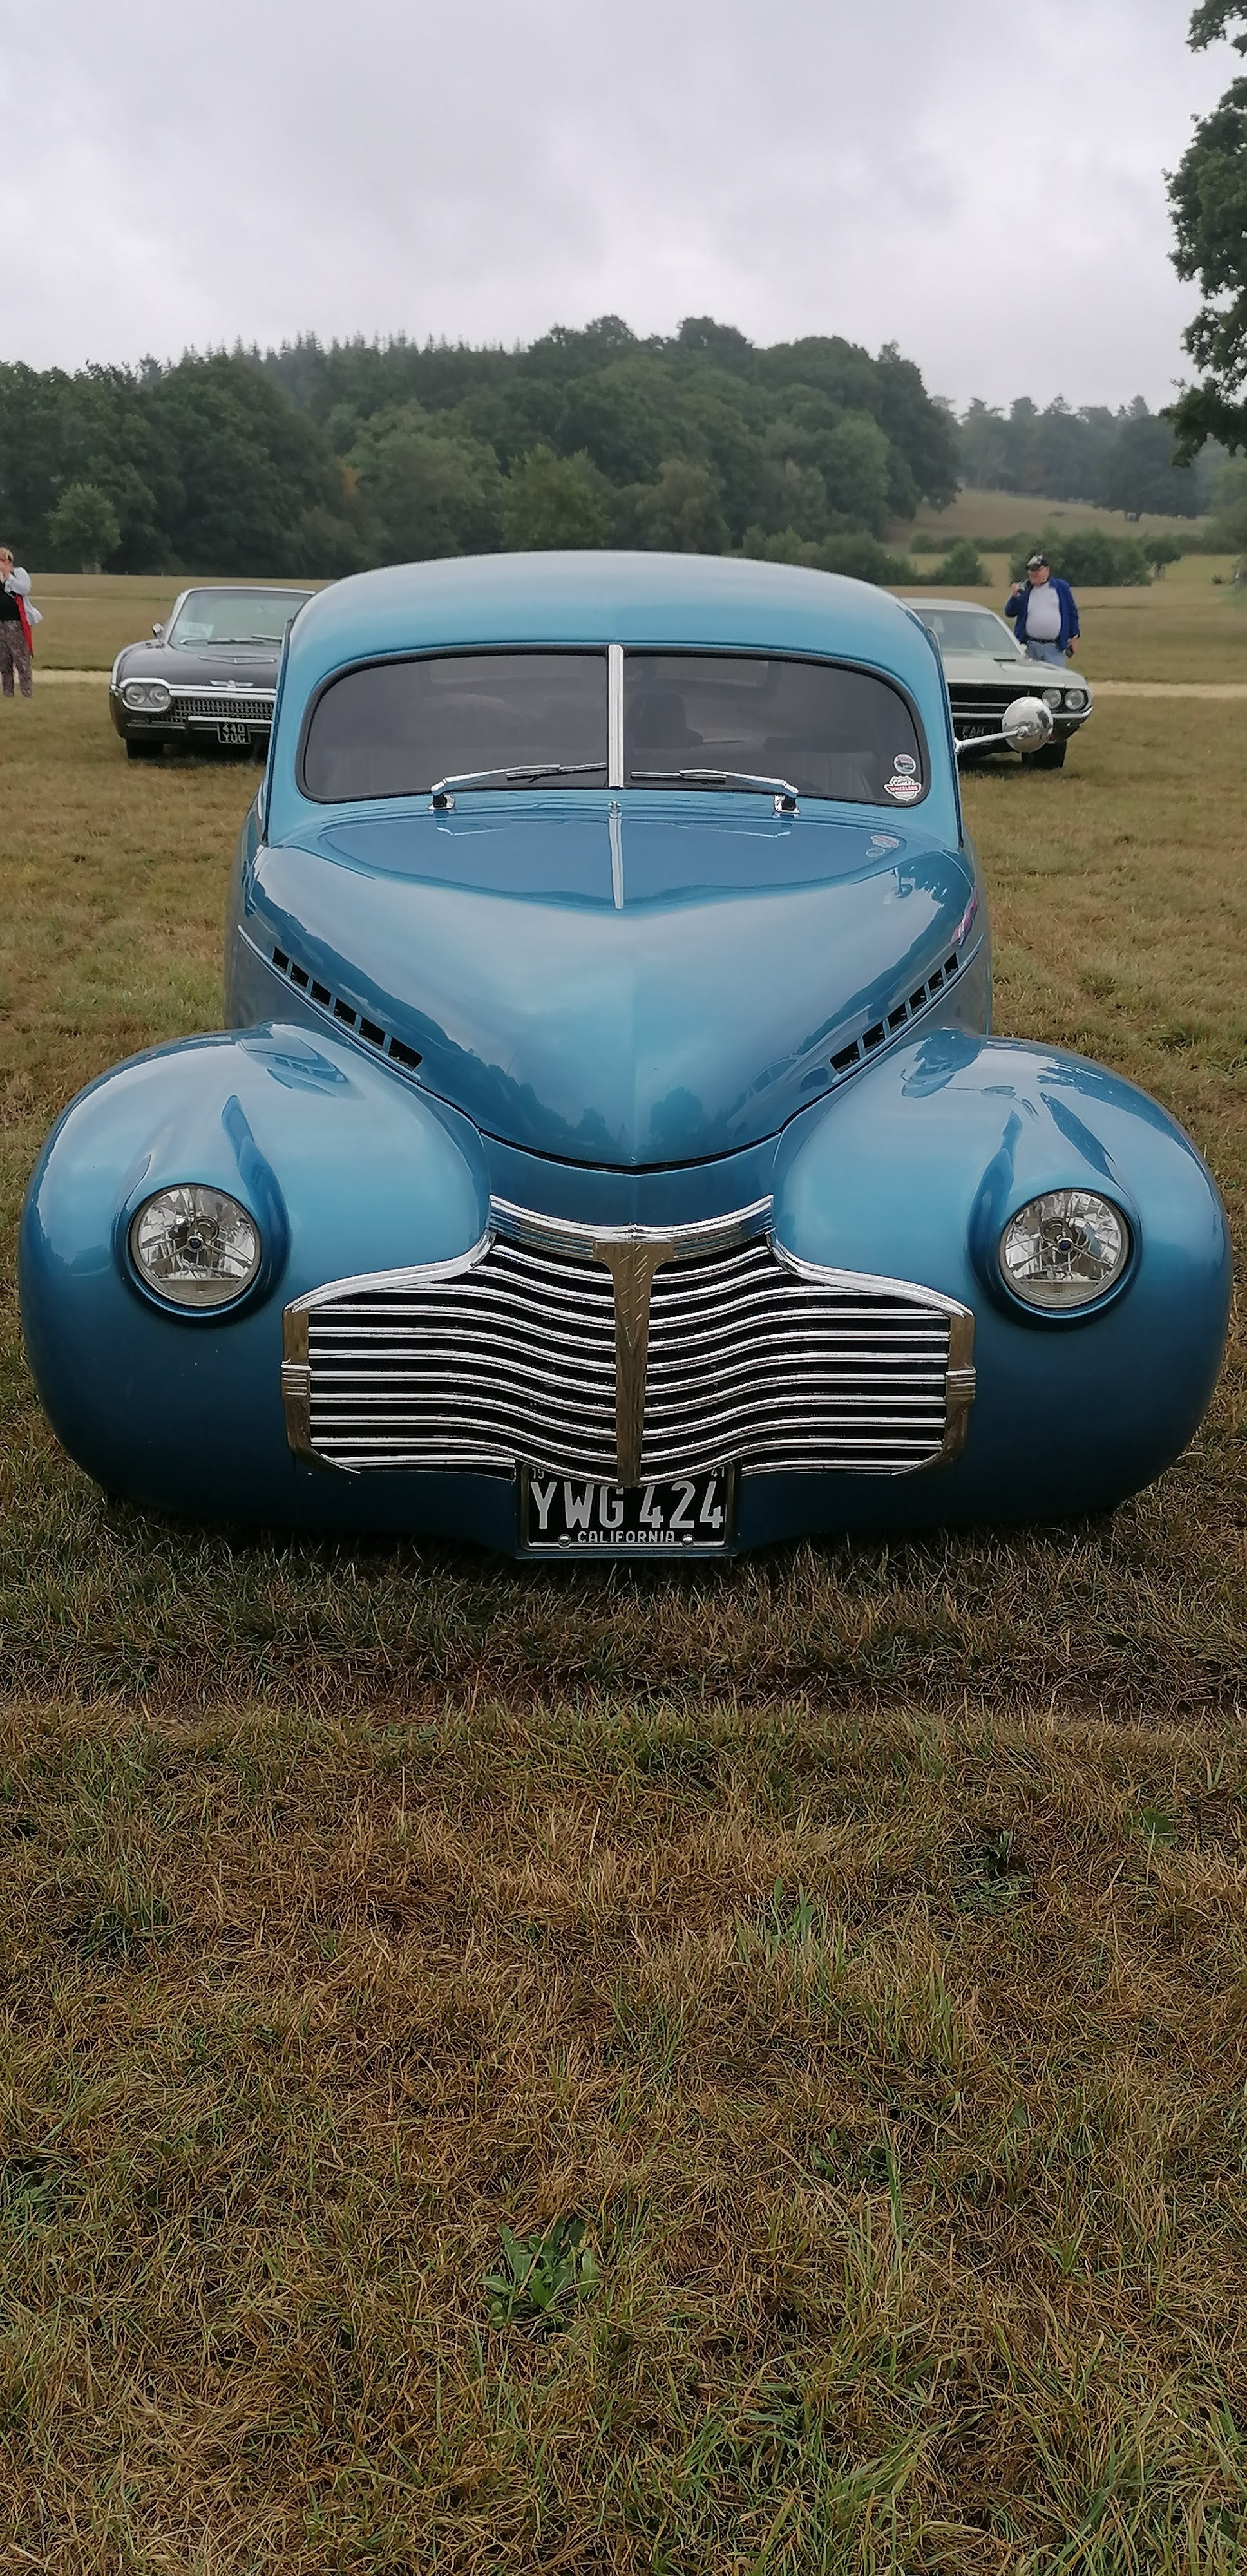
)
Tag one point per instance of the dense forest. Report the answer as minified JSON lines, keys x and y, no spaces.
{"x":323,"y":460}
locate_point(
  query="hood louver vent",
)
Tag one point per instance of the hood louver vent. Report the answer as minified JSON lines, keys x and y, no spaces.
{"x":871,"y":1039}
{"x":394,"y":1049}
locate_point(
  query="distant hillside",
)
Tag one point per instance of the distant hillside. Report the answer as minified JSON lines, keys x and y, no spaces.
{"x":993,"y":517}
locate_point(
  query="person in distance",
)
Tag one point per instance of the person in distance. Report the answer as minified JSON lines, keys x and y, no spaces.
{"x":18,"y":617}
{"x":1044,"y":613}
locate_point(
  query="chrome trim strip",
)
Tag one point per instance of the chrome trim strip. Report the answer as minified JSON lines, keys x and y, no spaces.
{"x":907,"y":1289}
{"x":419,"y":1273}
{"x":233,"y":692}
{"x":683,"y":1242}
{"x":615,"y":827}
{"x":296,"y":1382}
{"x":614,"y":715}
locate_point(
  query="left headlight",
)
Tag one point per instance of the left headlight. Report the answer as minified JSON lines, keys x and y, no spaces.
{"x":1052,"y":697}
{"x":1064,"y":1249}
{"x":195,"y":1246}
{"x":146,"y":697}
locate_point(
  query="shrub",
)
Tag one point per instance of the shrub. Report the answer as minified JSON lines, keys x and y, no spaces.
{"x":857,"y":554}
{"x":963,"y":565}
{"x":1089,"y":556}
{"x":1163,"y":550}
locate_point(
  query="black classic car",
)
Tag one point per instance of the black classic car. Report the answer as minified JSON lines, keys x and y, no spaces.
{"x":208,"y":677}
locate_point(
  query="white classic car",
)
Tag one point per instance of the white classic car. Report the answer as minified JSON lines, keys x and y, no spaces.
{"x":986,"y":670}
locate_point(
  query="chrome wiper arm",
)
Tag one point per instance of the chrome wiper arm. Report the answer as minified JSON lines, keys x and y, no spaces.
{"x":444,"y":788}
{"x":781,"y":789}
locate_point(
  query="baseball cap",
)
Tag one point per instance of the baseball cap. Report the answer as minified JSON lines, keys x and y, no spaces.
{"x":1033,"y":562}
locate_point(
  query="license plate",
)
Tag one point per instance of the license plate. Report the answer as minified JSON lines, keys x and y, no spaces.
{"x":971,"y":732}
{"x":233,"y":737}
{"x":566,"y":1516}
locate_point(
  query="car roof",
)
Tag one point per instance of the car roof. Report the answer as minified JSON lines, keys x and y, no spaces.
{"x":972,"y":607}
{"x":598,"y":598}
{"x":262,"y":589}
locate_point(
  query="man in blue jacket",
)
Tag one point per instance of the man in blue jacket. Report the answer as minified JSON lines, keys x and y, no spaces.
{"x":1044,"y":613}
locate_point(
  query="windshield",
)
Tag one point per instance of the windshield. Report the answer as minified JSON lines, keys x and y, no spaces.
{"x":539,"y":720}
{"x":257,"y":617}
{"x":968,"y":630}
{"x":397,"y":728}
{"x":826,"y":731}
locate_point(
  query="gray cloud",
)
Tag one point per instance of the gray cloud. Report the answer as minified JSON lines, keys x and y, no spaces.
{"x":983,"y":186}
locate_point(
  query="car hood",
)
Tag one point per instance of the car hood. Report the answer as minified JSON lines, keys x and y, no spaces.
{"x":253,"y":667}
{"x":983,"y":670}
{"x":652,"y":982}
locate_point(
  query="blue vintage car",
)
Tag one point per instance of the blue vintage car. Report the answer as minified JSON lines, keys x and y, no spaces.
{"x":606,"y":1153}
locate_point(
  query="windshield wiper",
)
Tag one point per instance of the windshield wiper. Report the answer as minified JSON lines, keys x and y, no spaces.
{"x":781,"y":789}
{"x":444,"y":789}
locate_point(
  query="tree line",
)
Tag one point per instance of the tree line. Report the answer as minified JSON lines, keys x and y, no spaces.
{"x":323,"y":460}
{"x":1120,"y":460}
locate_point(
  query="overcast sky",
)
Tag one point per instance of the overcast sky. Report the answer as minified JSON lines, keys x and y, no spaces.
{"x":981,"y":183}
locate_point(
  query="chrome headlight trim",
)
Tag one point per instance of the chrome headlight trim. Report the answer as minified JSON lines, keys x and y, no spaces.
{"x":194,"y":1249}
{"x":1064,"y":1252}
{"x":146,"y":697}
{"x":1076,"y":700}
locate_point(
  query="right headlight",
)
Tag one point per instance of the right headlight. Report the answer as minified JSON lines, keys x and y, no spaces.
{"x":1064,"y":1250}
{"x":146,"y":697}
{"x":1075,"y":697}
{"x":195,"y":1246}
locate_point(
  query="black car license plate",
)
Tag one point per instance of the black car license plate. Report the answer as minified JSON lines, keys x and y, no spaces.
{"x":233,"y":737}
{"x":568,"y":1516}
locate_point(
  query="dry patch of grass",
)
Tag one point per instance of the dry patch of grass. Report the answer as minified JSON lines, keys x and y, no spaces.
{"x":666,"y":2074}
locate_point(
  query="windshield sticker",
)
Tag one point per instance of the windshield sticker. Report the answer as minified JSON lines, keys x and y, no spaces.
{"x":905,"y":762}
{"x":904,"y":789}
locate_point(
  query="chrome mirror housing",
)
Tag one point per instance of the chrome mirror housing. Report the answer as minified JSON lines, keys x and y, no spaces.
{"x":157,"y":631}
{"x":1027,"y":724}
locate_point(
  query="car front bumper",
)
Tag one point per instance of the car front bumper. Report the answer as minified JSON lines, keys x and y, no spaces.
{"x":206,"y":717}
{"x":891,"y":1193}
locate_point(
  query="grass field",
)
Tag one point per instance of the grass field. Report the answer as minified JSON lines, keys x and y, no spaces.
{"x":1184,"y":625}
{"x":854,"y":1939}
{"x":988,"y":514}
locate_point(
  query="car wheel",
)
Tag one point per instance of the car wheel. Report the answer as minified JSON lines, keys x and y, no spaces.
{"x":144,"y":750}
{"x":1051,"y":757}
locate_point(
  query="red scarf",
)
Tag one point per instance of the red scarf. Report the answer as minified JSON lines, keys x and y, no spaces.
{"x":21,"y":610}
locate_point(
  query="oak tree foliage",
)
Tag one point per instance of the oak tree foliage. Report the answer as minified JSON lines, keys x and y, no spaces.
{"x":1208,"y":196}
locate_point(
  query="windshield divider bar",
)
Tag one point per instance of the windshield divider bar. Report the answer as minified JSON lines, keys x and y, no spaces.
{"x":614,"y":715}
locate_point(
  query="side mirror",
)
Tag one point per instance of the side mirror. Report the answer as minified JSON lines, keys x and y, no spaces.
{"x":1027,"y":724}
{"x":157,"y":631}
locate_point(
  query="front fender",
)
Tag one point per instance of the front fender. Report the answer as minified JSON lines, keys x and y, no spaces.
{"x":914,"y":1172}
{"x":344,"y":1167}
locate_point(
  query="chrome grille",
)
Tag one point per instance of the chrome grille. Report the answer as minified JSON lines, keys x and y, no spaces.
{"x":231,"y":706}
{"x":748,"y":1362}
{"x":511,"y":1356}
{"x":512,"y":1359}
